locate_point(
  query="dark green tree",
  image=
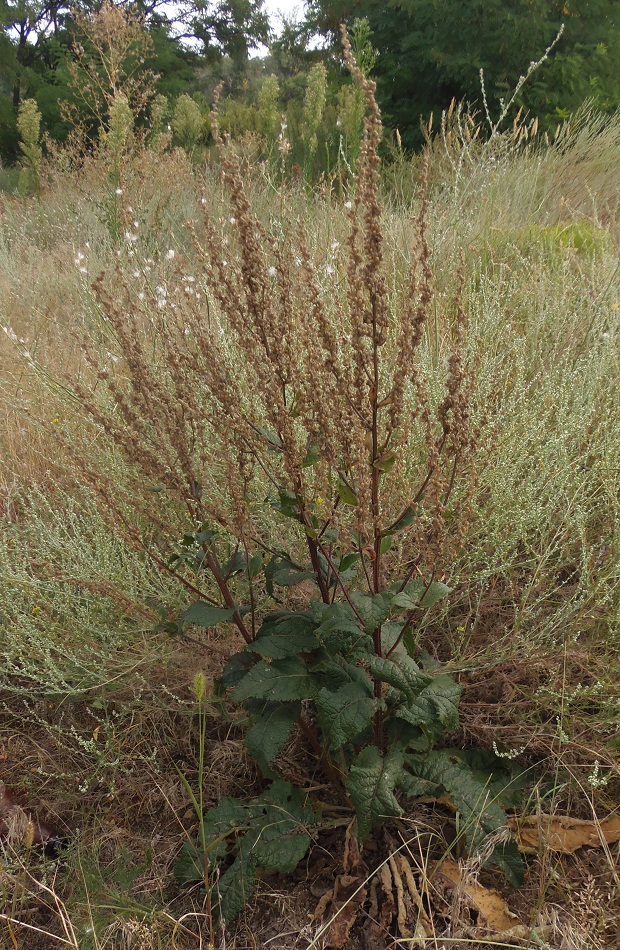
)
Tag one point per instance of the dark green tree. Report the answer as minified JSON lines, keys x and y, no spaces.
{"x":430,"y":51}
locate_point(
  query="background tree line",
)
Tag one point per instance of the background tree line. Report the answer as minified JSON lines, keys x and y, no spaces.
{"x":422,"y":53}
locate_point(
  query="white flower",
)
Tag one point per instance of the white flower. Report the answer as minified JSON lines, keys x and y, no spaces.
{"x":130,"y":237}
{"x":272,"y":271}
{"x":203,"y":201}
{"x":329,"y":269}
{"x":161,"y":291}
{"x":170,"y":254}
{"x":335,"y":245}
{"x":348,"y":205}
{"x":141,"y":296}
{"x":83,"y":270}
{"x":119,"y":191}
{"x":233,"y":220}
{"x":136,"y":224}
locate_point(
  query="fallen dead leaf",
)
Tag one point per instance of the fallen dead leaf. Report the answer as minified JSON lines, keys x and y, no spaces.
{"x":492,"y":909}
{"x":562,"y":833}
{"x":342,"y":906}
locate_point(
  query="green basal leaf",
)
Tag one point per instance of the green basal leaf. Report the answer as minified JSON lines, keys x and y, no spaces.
{"x":390,"y":633}
{"x":189,"y":867}
{"x":370,"y":784}
{"x":401,"y":672}
{"x":344,"y":714}
{"x":270,"y":731}
{"x":204,"y":615}
{"x":227,"y":816}
{"x":280,"y":838}
{"x":339,"y":630}
{"x":416,"y":787}
{"x":435,"y":707}
{"x":283,"y":642}
{"x":255,"y":565}
{"x":280,"y":681}
{"x":236,"y":668}
{"x":234,"y":888}
{"x":372,"y":608}
{"x":338,"y":673}
{"x":481,"y":814}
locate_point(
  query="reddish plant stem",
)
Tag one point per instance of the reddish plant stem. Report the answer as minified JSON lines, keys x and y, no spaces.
{"x":214,"y":567}
{"x":332,"y":774}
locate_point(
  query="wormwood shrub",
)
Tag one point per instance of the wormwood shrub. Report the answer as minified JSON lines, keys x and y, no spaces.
{"x":268,"y":405}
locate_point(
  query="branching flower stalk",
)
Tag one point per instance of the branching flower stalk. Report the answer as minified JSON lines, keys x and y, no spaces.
{"x":277,"y":428}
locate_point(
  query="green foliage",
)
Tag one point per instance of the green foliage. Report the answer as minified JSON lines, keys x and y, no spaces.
{"x":314,"y":107}
{"x":271,"y":832}
{"x":431,"y":51}
{"x":188,"y":123}
{"x":378,"y":719}
{"x":29,"y":127}
{"x":557,"y":241}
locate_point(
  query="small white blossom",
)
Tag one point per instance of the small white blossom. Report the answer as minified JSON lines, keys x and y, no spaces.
{"x":272,"y":271}
{"x":119,"y":191}
{"x":348,"y":205}
{"x":131,"y":237}
{"x":170,"y":254}
{"x":141,"y":296}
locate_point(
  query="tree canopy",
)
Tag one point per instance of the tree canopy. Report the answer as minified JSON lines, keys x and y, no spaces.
{"x":430,"y":51}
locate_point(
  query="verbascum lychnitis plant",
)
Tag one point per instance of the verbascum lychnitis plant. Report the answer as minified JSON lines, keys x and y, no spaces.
{"x":265,"y":405}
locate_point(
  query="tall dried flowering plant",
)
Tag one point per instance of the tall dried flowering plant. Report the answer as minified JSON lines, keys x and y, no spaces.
{"x":272,"y":408}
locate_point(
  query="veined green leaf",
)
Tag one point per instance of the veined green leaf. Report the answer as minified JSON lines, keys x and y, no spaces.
{"x":280,"y":681}
{"x":234,"y":888}
{"x":338,"y":673}
{"x":435,"y":707}
{"x":482,"y":815}
{"x":370,"y":784}
{"x":282,"y":642}
{"x":270,"y":731}
{"x":372,"y":608}
{"x":344,"y":714}
{"x":280,"y":839}
{"x":401,"y":672}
